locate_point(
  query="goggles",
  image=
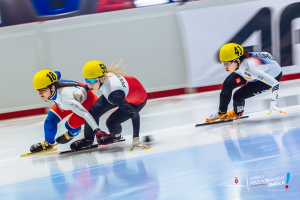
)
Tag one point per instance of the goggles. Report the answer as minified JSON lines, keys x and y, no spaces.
{"x":91,"y":80}
{"x":41,"y":90}
{"x":228,"y":63}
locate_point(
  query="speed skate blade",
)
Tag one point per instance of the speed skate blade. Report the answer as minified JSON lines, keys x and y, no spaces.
{"x":29,"y":154}
{"x":92,"y":147}
{"x":219,"y":122}
{"x":72,"y":150}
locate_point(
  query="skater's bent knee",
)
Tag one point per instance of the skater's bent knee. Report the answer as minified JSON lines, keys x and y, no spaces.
{"x":110,"y":123}
{"x":95,"y":112}
{"x":236,"y":98}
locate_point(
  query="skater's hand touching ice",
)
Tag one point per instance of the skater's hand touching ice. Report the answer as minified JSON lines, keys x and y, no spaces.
{"x":275,"y":107}
{"x":136,"y":143}
{"x":80,"y":95}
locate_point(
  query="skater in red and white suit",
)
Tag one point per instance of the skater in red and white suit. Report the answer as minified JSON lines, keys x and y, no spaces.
{"x":123,"y":92}
{"x":61,"y":92}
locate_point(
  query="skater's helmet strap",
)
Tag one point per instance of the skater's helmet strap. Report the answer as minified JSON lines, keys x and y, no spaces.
{"x":44,"y":78}
{"x":94,"y":69}
{"x":230,"y":51}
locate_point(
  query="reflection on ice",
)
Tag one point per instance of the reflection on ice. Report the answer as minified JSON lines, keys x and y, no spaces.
{"x":184,"y":162}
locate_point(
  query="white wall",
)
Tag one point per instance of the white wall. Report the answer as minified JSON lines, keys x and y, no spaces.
{"x":146,"y":39}
{"x":20,"y":47}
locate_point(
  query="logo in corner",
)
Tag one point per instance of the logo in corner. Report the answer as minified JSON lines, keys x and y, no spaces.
{"x":236,"y":186}
{"x":287,"y":180}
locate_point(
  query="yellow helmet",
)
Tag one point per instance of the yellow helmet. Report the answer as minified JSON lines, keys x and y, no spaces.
{"x":94,"y":69}
{"x":230,"y":51}
{"x":44,"y":78}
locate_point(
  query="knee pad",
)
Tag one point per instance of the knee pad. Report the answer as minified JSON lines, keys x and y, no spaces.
{"x":72,"y":131}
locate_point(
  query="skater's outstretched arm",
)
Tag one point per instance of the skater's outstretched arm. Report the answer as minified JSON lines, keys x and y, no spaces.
{"x":77,"y":108}
{"x":257,"y":73}
{"x":262,"y":76}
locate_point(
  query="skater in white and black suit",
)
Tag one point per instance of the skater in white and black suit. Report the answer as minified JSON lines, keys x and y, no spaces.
{"x":257,"y":71}
{"x":125,"y":93}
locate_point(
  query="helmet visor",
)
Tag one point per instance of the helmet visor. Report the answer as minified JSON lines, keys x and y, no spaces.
{"x":91,"y":80}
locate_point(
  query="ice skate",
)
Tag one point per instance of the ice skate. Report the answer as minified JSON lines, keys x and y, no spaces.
{"x":42,"y":146}
{"x":104,"y":138}
{"x":222,"y":116}
{"x":64,"y":138}
{"x":81,"y":144}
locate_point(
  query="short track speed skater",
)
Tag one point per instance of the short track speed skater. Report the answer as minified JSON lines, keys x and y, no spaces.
{"x":251,"y":74}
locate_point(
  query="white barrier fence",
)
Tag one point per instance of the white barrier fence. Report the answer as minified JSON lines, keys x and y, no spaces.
{"x":166,"y":46}
{"x":146,"y":39}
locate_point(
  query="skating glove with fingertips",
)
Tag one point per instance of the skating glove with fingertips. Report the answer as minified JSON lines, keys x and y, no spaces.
{"x":274,"y":106}
{"x":136,"y":143}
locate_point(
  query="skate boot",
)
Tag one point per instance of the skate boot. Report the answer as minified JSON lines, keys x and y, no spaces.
{"x":104,"y":138}
{"x":116,"y":137}
{"x":64,"y":138}
{"x":80,"y":144}
{"x":238,"y":108}
{"x":221,"y":116}
{"x":231,"y":115}
{"x":44,"y":145}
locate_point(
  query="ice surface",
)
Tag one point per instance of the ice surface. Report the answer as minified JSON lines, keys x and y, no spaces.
{"x":184,"y":162}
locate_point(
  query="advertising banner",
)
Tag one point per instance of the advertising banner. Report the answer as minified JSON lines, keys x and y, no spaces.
{"x":266,"y":25}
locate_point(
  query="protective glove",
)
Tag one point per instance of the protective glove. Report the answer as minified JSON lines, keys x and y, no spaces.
{"x":136,"y":143}
{"x":275,"y":107}
{"x":80,"y":95}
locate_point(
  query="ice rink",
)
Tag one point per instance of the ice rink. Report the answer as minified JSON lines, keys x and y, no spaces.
{"x":245,"y":159}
